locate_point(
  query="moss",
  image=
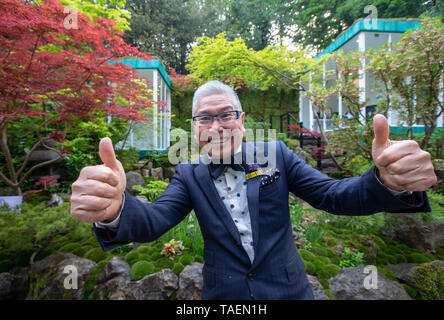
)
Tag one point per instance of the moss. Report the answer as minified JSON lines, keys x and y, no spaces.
{"x":319,"y":251}
{"x":417,"y":258}
{"x":329,"y":294}
{"x":141,"y":269}
{"x":199,"y":259}
{"x":81,"y":251}
{"x":70,"y":247}
{"x":306,"y":255}
{"x":400,"y":258}
{"x":324,"y":283}
{"x":309,"y":268}
{"x":324,"y":260}
{"x":319,"y":264}
{"x":91,"y":281}
{"x":96,"y":255}
{"x":156,"y":256}
{"x":429,"y":278}
{"x":144,"y":257}
{"x":386,"y":272}
{"x":177,"y":268}
{"x":186,"y":259}
{"x":132,"y":257}
{"x":410,"y":291}
{"x":144,"y":249}
{"x":164,"y":263}
{"x":330,"y":270}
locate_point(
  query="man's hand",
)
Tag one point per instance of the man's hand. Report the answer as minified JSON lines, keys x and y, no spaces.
{"x":98,"y":192}
{"x":402,"y":165}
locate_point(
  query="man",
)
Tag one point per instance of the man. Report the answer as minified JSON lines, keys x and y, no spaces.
{"x":243,"y":208}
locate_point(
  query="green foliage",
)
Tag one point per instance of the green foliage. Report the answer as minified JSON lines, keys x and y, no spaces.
{"x":296,"y":213}
{"x":177,"y":268}
{"x":320,"y":22}
{"x":132,"y":257}
{"x":418,"y":257}
{"x":357,"y":165}
{"x":314,"y":233}
{"x":186,"y":259}
{"x":141,"y":269}
{"x":22,"y":233}
{"x":429,"y":278}
{"x":153,"y":189}
{"x":351,"y":259}
{"x":96,"y":255}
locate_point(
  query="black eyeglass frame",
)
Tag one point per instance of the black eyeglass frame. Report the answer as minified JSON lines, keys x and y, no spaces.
{"x":238,"y":113}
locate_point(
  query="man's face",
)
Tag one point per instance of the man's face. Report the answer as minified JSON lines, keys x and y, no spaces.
{"x":218,"y":139}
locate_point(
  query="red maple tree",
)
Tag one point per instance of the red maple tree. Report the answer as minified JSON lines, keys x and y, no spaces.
{"x":55,"y":74}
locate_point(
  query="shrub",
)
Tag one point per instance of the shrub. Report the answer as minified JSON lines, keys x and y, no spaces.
{"x":141,"y":269}
{"x":429,"y":278}
{"x":96,"y":255}
{"x":177,"y":268}
{"x":314,"y":233}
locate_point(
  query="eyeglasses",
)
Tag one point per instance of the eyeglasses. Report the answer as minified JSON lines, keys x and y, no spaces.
{"x":223,"y":118}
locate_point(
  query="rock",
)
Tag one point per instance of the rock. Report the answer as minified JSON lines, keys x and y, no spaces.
{"x":349,"y":285}
{"x":300,"y":153}
{"x":114,"y":289}
{"x":55,"y":201}
{"x":157,"y":173}
{"x":404,"y":272}
{"x":134,"y":179}
{"x":191,"y":282}
{"x":318,"y":290}
{"x":145,"y":173}
{"x":157,"y":286}
{"x":416,"y":234}
{"x":115,"y":267}
{"x":48,"y":276}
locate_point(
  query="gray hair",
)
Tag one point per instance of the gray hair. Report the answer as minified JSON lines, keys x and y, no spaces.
{"x":214,"y":87}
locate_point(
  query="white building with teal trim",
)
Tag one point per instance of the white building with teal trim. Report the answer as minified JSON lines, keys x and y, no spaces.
{"x":361,"y":36}
{"x":154,"y":137}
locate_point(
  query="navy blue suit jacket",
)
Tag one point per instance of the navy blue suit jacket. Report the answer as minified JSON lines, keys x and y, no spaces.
{"x":277,"y":271}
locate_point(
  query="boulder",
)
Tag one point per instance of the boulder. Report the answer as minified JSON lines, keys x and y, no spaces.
{"x":191,"y":282}
{"x":318,"y":290}
{"x":133,"y":179}
{"x":416,"y":234}
{"x":349,"y":284}
{"x":49,"y":276}
{"x":404,"y":272}
{"x":145,"y":173}
{"x":6,"y":287}
{"x":55,"y":201}
{"x":157,"y":173}
{"x":157,"y":286}
{"x":114,"y":268}
{"x":169,"y":172}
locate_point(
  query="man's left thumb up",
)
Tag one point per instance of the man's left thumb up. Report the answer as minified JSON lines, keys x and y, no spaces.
{"x":382,"y":131}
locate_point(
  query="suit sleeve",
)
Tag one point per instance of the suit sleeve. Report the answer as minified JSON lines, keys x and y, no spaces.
{"x":354,"y":196}
{"x":145,"y":222}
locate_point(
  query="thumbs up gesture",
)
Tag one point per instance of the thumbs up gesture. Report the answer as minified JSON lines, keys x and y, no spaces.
{"x":97,"y":194}
{"x":402,"y":165}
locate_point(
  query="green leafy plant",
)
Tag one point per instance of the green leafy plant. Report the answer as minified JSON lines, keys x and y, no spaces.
{"x":351,"y":258}
{"x":153,"y":190}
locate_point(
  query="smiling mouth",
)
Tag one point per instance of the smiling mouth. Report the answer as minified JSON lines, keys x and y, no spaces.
{"x":220,"y":141}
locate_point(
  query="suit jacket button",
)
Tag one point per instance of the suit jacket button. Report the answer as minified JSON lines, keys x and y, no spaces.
{"x":250,"y":276}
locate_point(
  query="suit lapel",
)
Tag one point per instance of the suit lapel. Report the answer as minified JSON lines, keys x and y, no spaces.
{"x":206,"y":184}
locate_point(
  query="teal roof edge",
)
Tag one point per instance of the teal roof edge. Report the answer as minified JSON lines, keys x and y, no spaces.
{"x":147,"y":64}
{"x":369,"y":25}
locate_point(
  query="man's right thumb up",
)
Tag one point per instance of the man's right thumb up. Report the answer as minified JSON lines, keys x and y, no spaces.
{"x":107,"y":154}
